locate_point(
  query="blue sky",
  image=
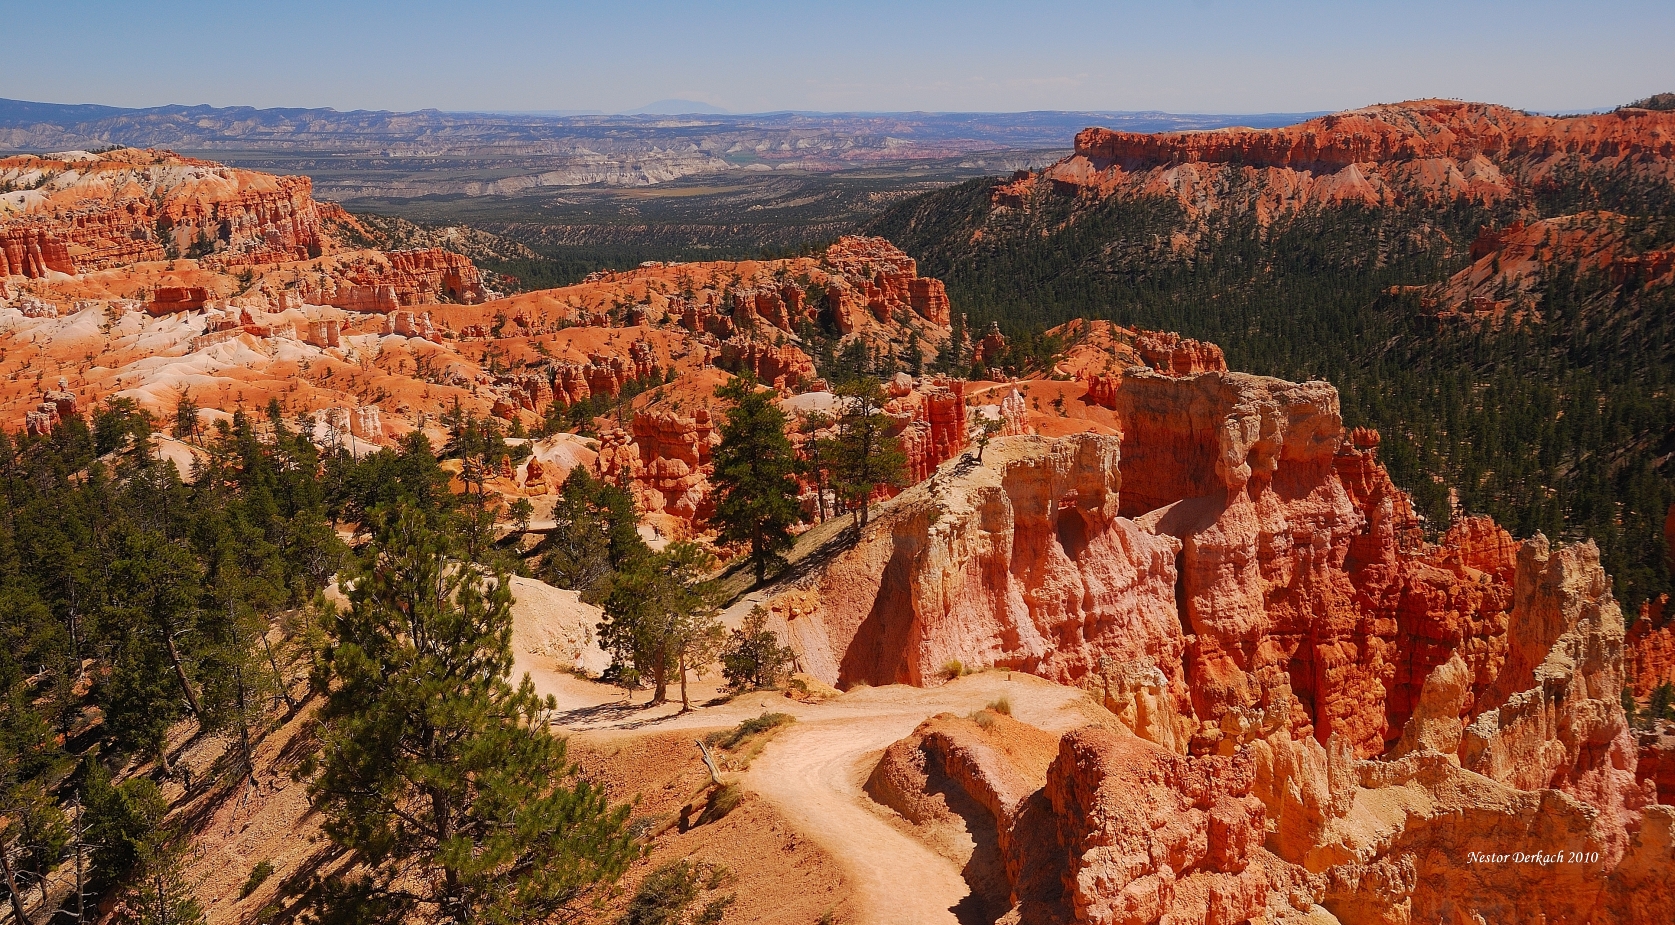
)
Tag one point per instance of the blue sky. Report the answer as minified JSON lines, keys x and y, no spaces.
{"x":1176,"y":55}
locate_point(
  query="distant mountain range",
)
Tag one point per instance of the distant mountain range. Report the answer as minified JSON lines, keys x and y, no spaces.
{"x":409,"y":155}
{"x":28,"y":126}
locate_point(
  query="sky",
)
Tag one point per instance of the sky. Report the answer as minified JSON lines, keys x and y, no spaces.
{"x":1206,"y":56}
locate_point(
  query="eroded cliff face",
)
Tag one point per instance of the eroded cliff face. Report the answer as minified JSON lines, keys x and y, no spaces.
{"x":1526,"y":811}
{"x":78,"y":212}
{"x":1020,"y":562}
{"x":1424,"y":150}
{"x":1322,"y":713}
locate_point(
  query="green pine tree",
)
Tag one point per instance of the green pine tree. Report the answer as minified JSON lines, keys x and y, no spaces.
{"x":754,"y":656}
{"x":659,"y":620}
{"x":756,"y":490}
{"x":866,"y":457}
{"x":160,"y":893}
{"x":443,"y":776}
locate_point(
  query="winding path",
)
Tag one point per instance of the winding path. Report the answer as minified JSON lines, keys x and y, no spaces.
{"x":814,"y":770}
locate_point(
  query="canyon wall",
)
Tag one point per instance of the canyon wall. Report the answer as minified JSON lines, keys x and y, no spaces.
{"x":1422,"y":150}
{"x":83,"y":212}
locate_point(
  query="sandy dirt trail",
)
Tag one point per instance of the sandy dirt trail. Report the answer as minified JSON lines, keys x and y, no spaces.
{"x":813,"y":771}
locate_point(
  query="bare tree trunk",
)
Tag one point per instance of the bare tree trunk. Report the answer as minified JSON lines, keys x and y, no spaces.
{"x":685,"y":704}
{"x":11,"y":885}
{"x":81,"y":869}
{"x":279,"y":676}
{"x":180,"y":672}
{"x":660,"y":683}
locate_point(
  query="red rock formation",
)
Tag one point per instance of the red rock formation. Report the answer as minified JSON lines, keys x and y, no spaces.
{"x":1543,"y":822}
{"x":674,"y":462}
{"x":1431,"y":150}
{"x":781,"y":307}
{"x":570,"y":383}
{"x":700,"y":317}
{"x":436,"y":272}
{"x":603,"y":374}
{"x":929,"y":297}
{"x":32,"y":250}
{"x":1020,"y":562}
{"x":875,"y":279}
{"x":785,"y":366}
{"x":945,"y":413}
{"x":126,"y":206}
{"x":1505,"y":279}
{"x":1174,"y":355}
{"x":1649,"y":657}
{"x":166,"y":300}
{"x":992,"y":346}
{"x":1400,"y":132}
{"x":530,"y":391}
{"x":55,"y":406}
{"x":618,"y":460}
{"x":400,"y":279}
{"x":1153,"y":836}
{"x":1655,"y":762}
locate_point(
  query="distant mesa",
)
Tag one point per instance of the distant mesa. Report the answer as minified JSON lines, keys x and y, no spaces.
{"x":677,"y":108}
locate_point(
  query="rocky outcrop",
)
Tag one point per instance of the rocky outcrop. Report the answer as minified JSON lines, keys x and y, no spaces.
{"x":936,"y":424}
{"x":1649,"y":657}
{"x":1153,"y":836}
{"x":1655,"y":763}
{"x":874,"y":282}
{"x":434,"y":273}
{"x":168,"y":300}
{"x":1525,"y":808}
{"x":971,"y":789}
{"x":1171,"y":354}
{"x":778,"y":306}
{"x":1400,"y":132}
{"x":95,"y":212}
{"x":384,"y":283}
{"x":1503,"y":284}
{"x":1425,"y":150}
{"x":33,"y":249}
{"x":1020,"y":562}
{"x":1246,"y":590}
{"x":664,"y":460}
{"x":784,"y":366}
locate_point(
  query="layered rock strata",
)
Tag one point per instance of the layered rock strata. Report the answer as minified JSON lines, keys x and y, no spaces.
{"x":1323,"y":713}
{"x":1430,"y":150}
{"x":80,"y":212}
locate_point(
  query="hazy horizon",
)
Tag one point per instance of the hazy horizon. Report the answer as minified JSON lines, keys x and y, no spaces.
{"x":1206,"y":56}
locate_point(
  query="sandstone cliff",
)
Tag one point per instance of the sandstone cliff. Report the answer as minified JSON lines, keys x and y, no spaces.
{"x":1429,"y":150}
{"x":77,"y":212}
{"x":1241,"y":584}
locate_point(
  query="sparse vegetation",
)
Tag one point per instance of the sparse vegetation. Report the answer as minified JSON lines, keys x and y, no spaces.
{"x":748,"y":731}
{"x":258,"y":876}
{"x":1663,"y":102}
{"x":670,"y":892}
{"x":722,"y":800}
